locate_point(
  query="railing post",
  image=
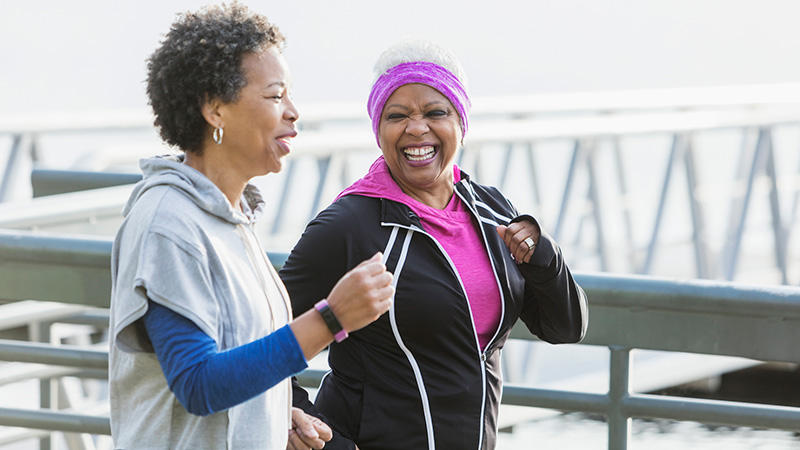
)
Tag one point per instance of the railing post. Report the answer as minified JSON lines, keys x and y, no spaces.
{"x":624,"y":193}
{"x":594,"y":198}
{"x":675,"y":152}
{"x":731,"y":255}
{"x":577,"y":154}
{"x":775,"y":207}
{"x":11,"y":166}
{"x":48,"y":387}
{"x":323,"y":165}
{"x":619,"y":424}
{"x":698,"y":221}
{"x":277,"y":223}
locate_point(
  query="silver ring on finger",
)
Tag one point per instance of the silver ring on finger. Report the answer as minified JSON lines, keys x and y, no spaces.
{"x":529,"y":242}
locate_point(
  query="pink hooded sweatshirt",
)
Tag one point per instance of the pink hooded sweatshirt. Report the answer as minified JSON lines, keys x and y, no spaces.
{"x":455,"y":229}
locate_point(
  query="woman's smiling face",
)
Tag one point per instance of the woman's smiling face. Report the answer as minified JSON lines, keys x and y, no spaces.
{"x":260,"y":124}
{"x":419,"y":134}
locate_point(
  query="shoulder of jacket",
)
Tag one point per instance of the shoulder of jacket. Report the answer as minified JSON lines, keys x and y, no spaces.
{"x":348,"y":213}
{"x":488,"y":194}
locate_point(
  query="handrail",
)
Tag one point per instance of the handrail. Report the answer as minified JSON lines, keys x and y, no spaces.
{"x":81,"y":266}
{"x":699,"y":316}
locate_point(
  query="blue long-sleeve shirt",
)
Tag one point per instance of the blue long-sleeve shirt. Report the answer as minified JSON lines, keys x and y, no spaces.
{"x":206,"y":380}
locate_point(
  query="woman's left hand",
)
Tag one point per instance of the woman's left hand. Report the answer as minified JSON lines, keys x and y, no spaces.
{"x":308,"y":432}
{"x":520,"y":238}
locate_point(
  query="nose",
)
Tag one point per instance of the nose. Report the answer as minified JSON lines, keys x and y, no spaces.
{"x":291,"y":113}
{"x":417,"y":126}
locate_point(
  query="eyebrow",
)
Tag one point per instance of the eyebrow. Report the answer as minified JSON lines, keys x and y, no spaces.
{"x":395,"y":105}
{"x":281,"y":84}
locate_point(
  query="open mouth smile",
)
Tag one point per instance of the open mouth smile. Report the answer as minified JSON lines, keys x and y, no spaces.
{"x":419,"y":153}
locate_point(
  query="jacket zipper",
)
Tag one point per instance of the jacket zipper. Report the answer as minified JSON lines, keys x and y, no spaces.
{"x":481,"y":353}
{"x":483,"y":356}
{"x":479,"y":218}
{"x":426,"y":409}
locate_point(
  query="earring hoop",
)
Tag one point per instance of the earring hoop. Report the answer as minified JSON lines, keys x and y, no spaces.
{"x":217,"y":135}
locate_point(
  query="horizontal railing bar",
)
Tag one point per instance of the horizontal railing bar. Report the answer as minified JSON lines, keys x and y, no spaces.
{"x":15,"y":372}
{"x":22,"y":313}
{"x":12,"y":435}
{"x":695,"y":295}
{"x":713,"y":412}
{"x":51,"y":181}
{"x":638,"y":405}
{"x":313,"y":113}
{"x":542,"y":129}
{"x":58,"y":249}
{"x":630,"y":291}
{"x":56,"y":421}
{"x":62,"y":355}
{"x":64,"y":208}
{"x":311,"y":377}
{"x":95,"y":317}
{"x":555,"y":399}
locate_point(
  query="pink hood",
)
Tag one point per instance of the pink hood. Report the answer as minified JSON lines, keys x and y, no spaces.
{"x":378,"y":182}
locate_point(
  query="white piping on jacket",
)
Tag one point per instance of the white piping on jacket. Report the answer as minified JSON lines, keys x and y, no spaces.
{"x":489,"y":253}
{"x":493,"y":212}
{"x":426,"y":407}
{"x":489,"y":221}
{"x":388,"y":248}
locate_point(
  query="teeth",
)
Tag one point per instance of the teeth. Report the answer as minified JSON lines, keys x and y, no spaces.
{"x":419,"y":153}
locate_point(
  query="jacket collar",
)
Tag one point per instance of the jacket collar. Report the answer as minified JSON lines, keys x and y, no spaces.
{"x":396,"y":213}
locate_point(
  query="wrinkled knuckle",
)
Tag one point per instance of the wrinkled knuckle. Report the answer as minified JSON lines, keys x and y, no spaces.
{"x":359,"y":276}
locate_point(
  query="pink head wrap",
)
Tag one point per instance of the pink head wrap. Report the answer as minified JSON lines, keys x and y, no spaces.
{"x":421,"y":72}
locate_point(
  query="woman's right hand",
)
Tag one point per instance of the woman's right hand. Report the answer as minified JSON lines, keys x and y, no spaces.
{"x":362,"y":295}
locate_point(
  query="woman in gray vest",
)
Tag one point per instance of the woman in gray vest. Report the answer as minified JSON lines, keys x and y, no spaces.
{"x":203,"y":341}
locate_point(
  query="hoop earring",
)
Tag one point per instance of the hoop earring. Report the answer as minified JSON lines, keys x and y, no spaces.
{"x":217,"y":135}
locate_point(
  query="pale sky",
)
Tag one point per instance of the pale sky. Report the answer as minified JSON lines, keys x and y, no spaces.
{"x":89,"y":54}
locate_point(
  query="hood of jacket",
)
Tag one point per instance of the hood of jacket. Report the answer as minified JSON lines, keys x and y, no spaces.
{"x":169,"y":170}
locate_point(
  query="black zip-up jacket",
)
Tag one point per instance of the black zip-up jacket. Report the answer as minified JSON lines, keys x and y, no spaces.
{"x":417,"y":378}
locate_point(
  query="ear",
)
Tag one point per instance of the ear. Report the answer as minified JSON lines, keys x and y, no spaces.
{"x":211,"y":110}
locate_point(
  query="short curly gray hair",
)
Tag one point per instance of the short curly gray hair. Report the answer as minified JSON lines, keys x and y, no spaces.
{"x":415,"y":50}
{"x":199,"y":59}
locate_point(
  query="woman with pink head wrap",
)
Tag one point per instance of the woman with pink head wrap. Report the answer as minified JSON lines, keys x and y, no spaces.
{"x":466,"y":266}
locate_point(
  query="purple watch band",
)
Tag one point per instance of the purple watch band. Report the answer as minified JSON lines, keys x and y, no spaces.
{"x":339,"y":333}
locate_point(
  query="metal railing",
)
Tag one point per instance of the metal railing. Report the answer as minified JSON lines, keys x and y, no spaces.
{"x":626,"y":313}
